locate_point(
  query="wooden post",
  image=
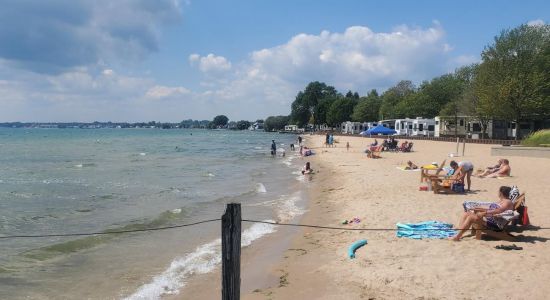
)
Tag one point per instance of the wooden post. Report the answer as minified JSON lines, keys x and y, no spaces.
{"x":457,"y":144}
{"x":231,"y":252}
{"x":463,"y":146}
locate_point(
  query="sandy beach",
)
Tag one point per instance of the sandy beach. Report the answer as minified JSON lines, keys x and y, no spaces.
{"x":348,"y":184}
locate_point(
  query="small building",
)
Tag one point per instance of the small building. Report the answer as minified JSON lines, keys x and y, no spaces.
{"x":256,"y":126}
{"x":291,"y":128}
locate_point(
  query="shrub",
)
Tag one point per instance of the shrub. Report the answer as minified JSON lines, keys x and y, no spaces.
{"x":538,"y":138}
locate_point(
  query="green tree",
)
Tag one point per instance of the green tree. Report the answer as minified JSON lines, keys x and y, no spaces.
{"x":513,"y":80}
{"x":368,"y":108}
{"x":322,"y":108}
{"x":340,"y":111}
{"x":392,"y":97}
{"x":242,"y":125}
{"x":276,"y":123}
{"x":305,"y":104}
{"x":220,"y":121}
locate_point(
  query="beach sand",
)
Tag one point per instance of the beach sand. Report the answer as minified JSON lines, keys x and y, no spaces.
{"x":315,"y":264}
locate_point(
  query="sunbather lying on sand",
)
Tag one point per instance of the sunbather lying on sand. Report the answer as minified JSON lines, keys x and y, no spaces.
{"x":486,"y":216}
{"x":411,"y":166}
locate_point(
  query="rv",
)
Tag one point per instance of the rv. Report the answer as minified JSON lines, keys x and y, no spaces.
{"x":467,"y":126}
{"x":423,"y":127}
{"x":404,"y":126}
{"x":353,"y":127}
{"x":390,"y":123}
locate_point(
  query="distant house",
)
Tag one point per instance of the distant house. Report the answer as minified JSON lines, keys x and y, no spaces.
{"x":291,"y":128}
{"x":256,"y":126}
{"x":232,"y":125}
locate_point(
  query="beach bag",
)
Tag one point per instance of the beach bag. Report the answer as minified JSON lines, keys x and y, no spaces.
{"x":523,"y":219}
{"x":458,"y":188}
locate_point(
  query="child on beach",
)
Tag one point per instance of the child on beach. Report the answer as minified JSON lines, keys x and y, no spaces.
{"x":347,"y":146}
{"x":307,"y":169}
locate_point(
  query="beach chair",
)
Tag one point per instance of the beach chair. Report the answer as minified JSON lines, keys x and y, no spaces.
{"x":425,"y":172}
{"x":375,"y":152}
{"x":442,"y":185}
{"x":478,"y":230}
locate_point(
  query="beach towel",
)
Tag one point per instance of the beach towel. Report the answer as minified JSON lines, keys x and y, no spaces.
{"x":428,"y":230}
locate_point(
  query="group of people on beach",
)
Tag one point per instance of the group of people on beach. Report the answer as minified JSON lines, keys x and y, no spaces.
{"x":329,"y":140}
{"x":501,"y":169}
{"x":389,"y":144}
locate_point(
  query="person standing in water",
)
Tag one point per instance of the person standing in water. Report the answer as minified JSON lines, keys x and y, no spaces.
{"x":299,"y":140}
{"x":273,"y":148}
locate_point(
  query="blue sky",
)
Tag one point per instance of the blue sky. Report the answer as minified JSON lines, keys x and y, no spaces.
{"x":170,"y":60}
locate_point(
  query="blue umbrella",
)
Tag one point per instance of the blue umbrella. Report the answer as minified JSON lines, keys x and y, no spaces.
{"x":363,"y":133}
{"x":380,"y":130}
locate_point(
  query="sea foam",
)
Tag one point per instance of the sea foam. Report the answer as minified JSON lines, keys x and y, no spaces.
{"x":204,"y":259}
{"x":260,"y":188}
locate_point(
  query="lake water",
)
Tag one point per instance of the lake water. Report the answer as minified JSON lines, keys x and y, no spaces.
{"x":77,"y":180}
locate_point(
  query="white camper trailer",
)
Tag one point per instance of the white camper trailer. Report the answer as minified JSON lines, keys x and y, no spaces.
{"x":353,"y":127}
{"x":423,"y":127}
{"x":404,"y":126}
{"x":390,"y":123}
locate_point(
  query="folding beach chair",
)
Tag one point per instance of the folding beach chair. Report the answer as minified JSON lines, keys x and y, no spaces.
{"x":425,"y":172}
{"x":478,"y":230}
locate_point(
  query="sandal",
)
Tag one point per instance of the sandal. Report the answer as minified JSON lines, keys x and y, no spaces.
{"x":509,"y":247}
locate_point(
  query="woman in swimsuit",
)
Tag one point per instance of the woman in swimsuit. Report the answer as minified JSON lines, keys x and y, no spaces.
{"x":485,"y":216}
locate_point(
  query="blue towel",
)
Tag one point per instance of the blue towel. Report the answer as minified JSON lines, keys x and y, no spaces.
{"x":429,"y":230}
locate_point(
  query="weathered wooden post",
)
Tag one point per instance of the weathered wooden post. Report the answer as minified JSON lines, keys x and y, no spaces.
{"x":463,"y":146}
{"x":231,"y":252}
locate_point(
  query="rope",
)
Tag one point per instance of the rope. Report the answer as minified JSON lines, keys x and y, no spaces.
{"x":106,"y":232}
{"x":214,"y":220}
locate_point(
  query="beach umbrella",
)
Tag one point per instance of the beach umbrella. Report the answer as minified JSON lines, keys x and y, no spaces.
{"x":363,"y":133}
{"x":380,"y":130}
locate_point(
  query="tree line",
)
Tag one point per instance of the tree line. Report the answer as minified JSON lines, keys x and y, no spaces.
{"x":511,"y":83}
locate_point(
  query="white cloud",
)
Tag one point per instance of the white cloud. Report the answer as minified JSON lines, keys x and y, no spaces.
{"x":56,"y":36}
{"x":537,"y":22}
{"x":263,"y":84}
{"x":210,"y":63}
{"x":358,"y":59}
{"x":159,"y":91}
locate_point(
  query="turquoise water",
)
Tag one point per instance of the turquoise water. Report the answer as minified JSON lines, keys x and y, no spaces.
{"x":75,"y":180}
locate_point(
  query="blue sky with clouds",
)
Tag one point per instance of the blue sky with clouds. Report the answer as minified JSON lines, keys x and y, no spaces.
{"x":169,"y":60}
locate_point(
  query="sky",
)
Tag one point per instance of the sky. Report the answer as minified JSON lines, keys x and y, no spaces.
{"x":170,"y":60}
